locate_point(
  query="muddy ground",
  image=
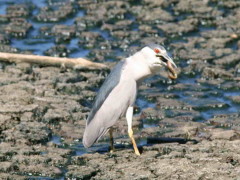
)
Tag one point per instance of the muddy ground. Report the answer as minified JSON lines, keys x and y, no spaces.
{"x":185,"y":129}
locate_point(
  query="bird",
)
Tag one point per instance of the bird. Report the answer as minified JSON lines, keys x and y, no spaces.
{"x":117,"y":95}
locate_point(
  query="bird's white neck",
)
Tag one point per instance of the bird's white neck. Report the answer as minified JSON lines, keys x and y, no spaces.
{"x":138,"y":66}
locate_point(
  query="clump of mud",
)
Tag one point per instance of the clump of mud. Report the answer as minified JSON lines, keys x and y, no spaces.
{"x":186,"y":129}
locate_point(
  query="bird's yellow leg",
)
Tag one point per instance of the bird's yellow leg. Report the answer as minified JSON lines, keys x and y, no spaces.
{"x":130,"y":133}
{"x":129,"y":116}
{"x":112,"y":149}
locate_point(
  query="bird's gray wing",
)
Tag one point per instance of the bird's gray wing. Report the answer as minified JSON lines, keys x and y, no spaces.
{"x":112,"y":106}
{"x":110,"y":82}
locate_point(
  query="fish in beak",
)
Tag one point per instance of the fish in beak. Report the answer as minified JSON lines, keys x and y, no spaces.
{"x":172,"y":74}
{"x":171,"y":71}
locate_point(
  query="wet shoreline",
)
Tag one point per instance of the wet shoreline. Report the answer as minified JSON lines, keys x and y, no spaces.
{"x":43,"y":109}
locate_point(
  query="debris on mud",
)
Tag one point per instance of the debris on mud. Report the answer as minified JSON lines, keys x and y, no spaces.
{"x":186,"y":128}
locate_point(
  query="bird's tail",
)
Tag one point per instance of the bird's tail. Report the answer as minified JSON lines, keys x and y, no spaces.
{"x":92,"y":135}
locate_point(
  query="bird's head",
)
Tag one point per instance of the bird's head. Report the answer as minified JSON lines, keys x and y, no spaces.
{"x":157,"y":57}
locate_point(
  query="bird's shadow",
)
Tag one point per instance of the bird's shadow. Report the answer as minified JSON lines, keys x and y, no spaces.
{"x":150,"y":142}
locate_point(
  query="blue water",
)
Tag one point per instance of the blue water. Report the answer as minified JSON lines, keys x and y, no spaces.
{"x":38,"y":44}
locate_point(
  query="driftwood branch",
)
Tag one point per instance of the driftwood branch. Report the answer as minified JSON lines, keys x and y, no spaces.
{"x":51,"y":61}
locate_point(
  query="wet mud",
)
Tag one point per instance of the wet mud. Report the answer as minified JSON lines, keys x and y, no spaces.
{"x":188,"y":128}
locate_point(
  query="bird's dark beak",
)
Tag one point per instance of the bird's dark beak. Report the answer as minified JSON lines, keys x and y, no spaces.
{"x":170,"y":65}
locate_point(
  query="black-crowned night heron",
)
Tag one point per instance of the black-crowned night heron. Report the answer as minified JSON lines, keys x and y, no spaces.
{"x":117,"y":95}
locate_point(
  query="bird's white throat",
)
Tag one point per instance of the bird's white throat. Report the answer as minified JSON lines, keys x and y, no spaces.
{"x":138,"y":66}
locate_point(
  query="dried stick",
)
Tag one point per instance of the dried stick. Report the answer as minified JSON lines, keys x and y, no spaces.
{"x":51,"y":61}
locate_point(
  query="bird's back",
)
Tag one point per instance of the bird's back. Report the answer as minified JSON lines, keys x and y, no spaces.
{"x":110,"y":82}
{"x":117,"y":93}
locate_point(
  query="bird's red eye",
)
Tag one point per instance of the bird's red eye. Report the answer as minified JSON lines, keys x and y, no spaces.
{"x":156,"y":50}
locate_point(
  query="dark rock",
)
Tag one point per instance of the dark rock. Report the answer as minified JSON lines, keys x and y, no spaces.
{"x":4,"y":122}
{"x":40,"y":170}
{"x":85,"y":22}
{"x":55,"y":116}
{"x":151,"y":114}
{"x":82,"y":172}
{"x":224,"y":134}
{"x":235,"y":99}
{"x":8,"y":49}
{"x":11,"y":176}
{"x":155,"y":15}
{"x":218,"y":33}
{"x":130,"y":35}
{"x":163,"y":103}
{"x":18,"y":27}
{"x":232,"y":85}
{"x":215,"y":43}
{"x":225,"y":121}
{"x":119,"y":25}
{"x":18,"y":10}
{"x":223,"y":52}
{"x":57,"y":51}
{"x":4,"y":18}
{"x":198,"y":8}
{"x":149,"y":30}
{"x":92,"y":39}
{"x":211,"y":82}
{"x":230,"y":60}
{"x":229,"y":21}
{"x":185,"y":115}
{"x":179,"y":28}
{"x":4,"y":39}
{"x":30,"y":133}
{"x":108,"y":10}
{"x":100,"y":55}
{"x":215,"y":73}
{"x":57,"y":3}
{"x":63,"y":30}
{"x":154,"y":3}
{"x":201,"y":104}
{"x":72,"y":131}
{"x":48,"y":14}
{"x":46,"y":30}
{"x":188,"y":87}
{"x":196,"y":54}
{"x":149,"y":40}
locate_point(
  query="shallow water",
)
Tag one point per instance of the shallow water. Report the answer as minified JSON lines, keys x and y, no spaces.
{"x":38,"y":44}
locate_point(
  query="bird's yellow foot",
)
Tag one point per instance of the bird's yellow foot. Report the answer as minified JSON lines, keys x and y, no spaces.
{"x":137,"y":152}
{"x":112,"y":149}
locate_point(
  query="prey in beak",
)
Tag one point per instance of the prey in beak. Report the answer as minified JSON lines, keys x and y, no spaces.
{"x":172,"y":74}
